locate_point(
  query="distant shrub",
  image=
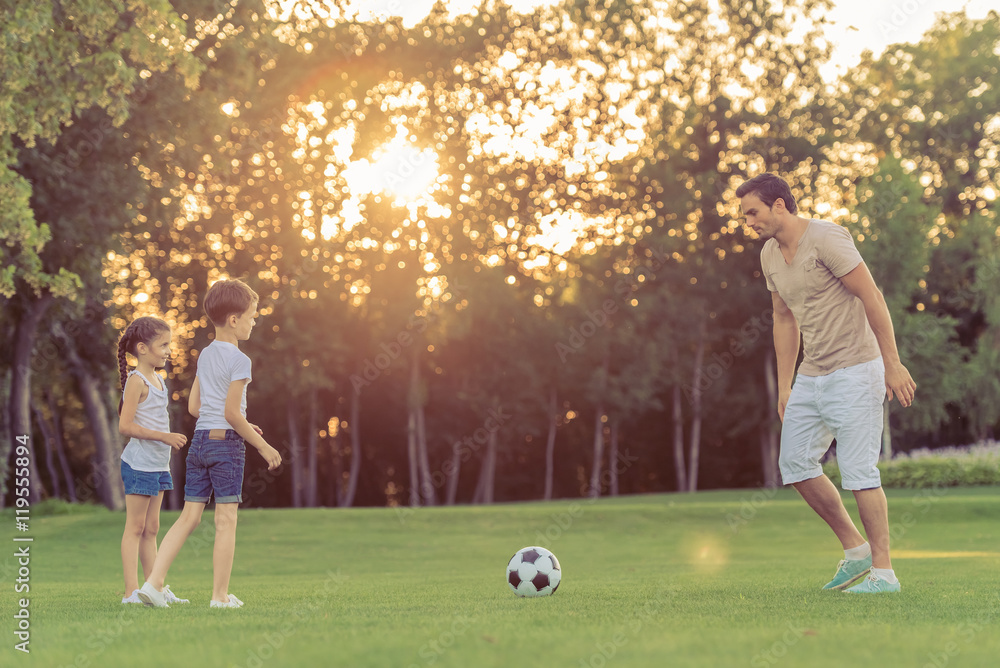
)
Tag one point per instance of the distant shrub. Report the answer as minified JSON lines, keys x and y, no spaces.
{"x":943,"y":467}
{"x":60,"y":507}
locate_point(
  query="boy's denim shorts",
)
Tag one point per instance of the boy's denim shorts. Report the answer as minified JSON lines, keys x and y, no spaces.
{"x":145,"y":483}
{"x":215,"y":465}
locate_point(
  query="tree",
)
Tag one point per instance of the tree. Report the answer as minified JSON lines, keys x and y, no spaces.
{"x":59,"y":60}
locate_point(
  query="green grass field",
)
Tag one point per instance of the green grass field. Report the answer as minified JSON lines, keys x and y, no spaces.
{"x":711,"y":579}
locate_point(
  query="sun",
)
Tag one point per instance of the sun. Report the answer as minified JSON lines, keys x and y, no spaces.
{"x":397,"y":169}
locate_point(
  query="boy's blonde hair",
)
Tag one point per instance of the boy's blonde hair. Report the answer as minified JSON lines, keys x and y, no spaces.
{"x":226,"y":298}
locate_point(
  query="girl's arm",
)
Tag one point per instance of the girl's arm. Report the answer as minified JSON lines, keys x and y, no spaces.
{"x":126,"y":421}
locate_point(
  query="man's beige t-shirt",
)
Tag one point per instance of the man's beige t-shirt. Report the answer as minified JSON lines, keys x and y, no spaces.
{"x":835,"y":329}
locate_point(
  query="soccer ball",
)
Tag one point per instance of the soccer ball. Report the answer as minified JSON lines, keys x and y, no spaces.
{"x":533,"y":571}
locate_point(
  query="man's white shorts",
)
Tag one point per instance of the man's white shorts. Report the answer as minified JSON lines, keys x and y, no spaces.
{"x":845,"y":404}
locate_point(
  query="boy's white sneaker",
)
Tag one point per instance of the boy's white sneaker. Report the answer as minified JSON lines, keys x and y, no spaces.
{"x":172,"y":597}
{"x":151,"y":597}
{"x":232,"y":603}
{"x":134,"y":598}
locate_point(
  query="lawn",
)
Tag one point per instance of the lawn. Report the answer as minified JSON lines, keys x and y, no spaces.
{"x":710,"y":579}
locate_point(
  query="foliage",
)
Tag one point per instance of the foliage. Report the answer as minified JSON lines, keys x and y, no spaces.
{"x":59,"y":59}
{"x":943,"y":467}
{"x":502,"y":204}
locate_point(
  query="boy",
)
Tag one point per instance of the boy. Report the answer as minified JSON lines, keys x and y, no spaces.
{"x":217,"y":453}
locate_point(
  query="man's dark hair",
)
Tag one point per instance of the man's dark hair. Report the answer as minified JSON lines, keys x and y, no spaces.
{"x":769,"y":187}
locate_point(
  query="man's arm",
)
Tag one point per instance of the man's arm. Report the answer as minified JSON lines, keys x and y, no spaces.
{"x":859,"y":282}
{"x":786,"y":349}
{"x":235,"y":418}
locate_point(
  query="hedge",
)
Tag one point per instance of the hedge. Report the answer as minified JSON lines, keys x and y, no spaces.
{"x":943,"y":467}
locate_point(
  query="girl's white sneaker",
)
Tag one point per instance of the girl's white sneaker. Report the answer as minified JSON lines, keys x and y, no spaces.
{"x":172,"y":597}
{"x":233,"y":603}
{"x":134,"y":598}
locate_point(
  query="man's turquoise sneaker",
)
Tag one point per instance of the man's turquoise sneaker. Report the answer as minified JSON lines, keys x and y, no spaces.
{"x":848,"y":572}
{"x":873,"y":584}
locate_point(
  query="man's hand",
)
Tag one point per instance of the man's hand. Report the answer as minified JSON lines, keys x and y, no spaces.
{"x":899,"y":383}
{"x":270,"y":456}
{"x":782,"y":402}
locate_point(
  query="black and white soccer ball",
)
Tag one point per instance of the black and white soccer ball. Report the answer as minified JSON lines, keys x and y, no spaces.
{"x":533,"y":571}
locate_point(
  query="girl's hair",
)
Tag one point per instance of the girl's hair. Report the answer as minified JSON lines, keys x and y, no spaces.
{"x":142,"y":330}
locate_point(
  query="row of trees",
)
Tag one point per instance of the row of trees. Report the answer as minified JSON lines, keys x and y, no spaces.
{"x":499,"y":255}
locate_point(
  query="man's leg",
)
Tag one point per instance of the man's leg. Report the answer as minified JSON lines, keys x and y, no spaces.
{"x":874,"y":511}
{"x":823,"y":497}
{"x":855,"y":409}
{"x":805,"y":438}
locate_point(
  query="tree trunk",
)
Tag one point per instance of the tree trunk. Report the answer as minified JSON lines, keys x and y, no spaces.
{"x":107,"y":482}
{"x":417,"y":400}
{"x":6,"y":437}
{"x":489,"y":497}
{"x":550,"y":443}
{"x":613,"y":459}
{"x":769,"y":430}
{"x":336,"y":491}
{"x":487,"y":472}
{"x":699,"y":357}
{"x":60,"y":447}
{"x":886,"y":432}
{"x":411,"y":455}
{"x":421,"y":486}
{"x":311,"y":453}
{"x":49,"y":439}
{"x":595,"y":472}
{"x":679,"y":468}
{"x":456,"y":464}
{"x":427,"y":482}
{"x":354,"y":427}
{"x":18,"y":408}
{"x":106,"y":476}
{"x":295,"y":452}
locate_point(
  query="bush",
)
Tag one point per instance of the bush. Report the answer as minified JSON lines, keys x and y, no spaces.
{"x":944,"y":467}
{"x":60,"y":507}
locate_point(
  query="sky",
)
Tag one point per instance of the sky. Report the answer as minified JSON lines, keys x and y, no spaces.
{"x":875,"y":24}
{"x":856,"y":25}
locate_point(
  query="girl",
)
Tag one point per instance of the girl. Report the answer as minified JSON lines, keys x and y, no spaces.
{"x":146,"y":459}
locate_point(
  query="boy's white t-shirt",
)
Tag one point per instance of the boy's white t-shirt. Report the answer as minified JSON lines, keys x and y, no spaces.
{"x":219,"y":364}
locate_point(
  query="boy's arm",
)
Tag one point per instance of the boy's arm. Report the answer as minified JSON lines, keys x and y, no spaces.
{"x":126,"y":421}
{"x":235,"y":418}
{"x":194,"y":399}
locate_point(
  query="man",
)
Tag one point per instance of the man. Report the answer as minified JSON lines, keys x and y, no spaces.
{"x":820,"y":285}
